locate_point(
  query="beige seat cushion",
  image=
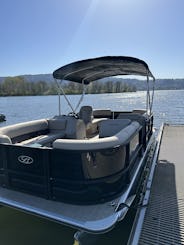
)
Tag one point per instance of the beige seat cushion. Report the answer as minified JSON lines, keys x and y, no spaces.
{"x":24,"y":128}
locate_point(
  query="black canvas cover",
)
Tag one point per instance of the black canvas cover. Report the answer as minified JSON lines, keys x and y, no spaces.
{"x":90,"y":70}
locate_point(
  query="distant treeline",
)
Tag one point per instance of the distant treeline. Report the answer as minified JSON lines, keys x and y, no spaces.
{"x":18,"y":86}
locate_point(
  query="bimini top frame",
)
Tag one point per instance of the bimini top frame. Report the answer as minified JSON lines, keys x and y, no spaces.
{"x":87,"y":71}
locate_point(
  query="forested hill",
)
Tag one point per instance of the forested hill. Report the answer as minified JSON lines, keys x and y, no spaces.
{"x":43,"y":84}
{"x":160,"y":84}
{"x":34,"y":78}
{"x":140,"y":85}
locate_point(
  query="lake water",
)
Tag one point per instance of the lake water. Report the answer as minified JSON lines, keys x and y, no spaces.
{"x":17,"y":228}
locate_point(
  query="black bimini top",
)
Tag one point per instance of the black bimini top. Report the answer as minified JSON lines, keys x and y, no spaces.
{"x":86,"y":71}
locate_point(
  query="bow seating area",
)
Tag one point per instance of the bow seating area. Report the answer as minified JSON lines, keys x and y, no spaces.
{"x":71,"y":132}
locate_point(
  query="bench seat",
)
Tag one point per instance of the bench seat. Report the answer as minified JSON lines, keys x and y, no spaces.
{"x":43,"y":140}
{"x":121,"y":138}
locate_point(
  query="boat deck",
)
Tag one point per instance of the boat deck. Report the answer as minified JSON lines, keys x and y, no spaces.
{"x":161,"y":219}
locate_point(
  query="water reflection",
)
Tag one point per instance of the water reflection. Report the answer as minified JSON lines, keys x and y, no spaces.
{"x":18,"y":228}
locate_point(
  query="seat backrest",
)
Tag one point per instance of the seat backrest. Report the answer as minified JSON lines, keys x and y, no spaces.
{"x":72,"y":128}
{"x":102,"y":113}
{"x":75,"y":128}
{"x":134,"y":117}
{"x":86,"y":114}
{"x":19,"y":129}
{"x":111,"y":127}
{"x":57,"y":124}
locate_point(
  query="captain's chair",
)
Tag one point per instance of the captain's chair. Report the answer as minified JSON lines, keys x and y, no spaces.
{"x":86,"y":114}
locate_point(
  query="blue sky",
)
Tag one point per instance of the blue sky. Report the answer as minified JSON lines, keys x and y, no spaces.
{"x":38,"y":36}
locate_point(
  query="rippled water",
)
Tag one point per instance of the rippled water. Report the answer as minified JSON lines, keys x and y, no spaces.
{"x":168,"y":105}
{"x":17,"y":228}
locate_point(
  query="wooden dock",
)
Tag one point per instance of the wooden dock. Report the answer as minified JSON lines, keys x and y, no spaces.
{"x":160,"y":219}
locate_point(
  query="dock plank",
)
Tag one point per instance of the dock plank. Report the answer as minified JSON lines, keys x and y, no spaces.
{"x":164,"y":218}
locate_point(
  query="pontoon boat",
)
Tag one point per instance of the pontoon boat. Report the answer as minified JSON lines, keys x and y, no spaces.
{"x":80,"y":169}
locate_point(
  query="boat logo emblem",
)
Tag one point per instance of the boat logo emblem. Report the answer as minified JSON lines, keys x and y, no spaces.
{"x":25,"y":159}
